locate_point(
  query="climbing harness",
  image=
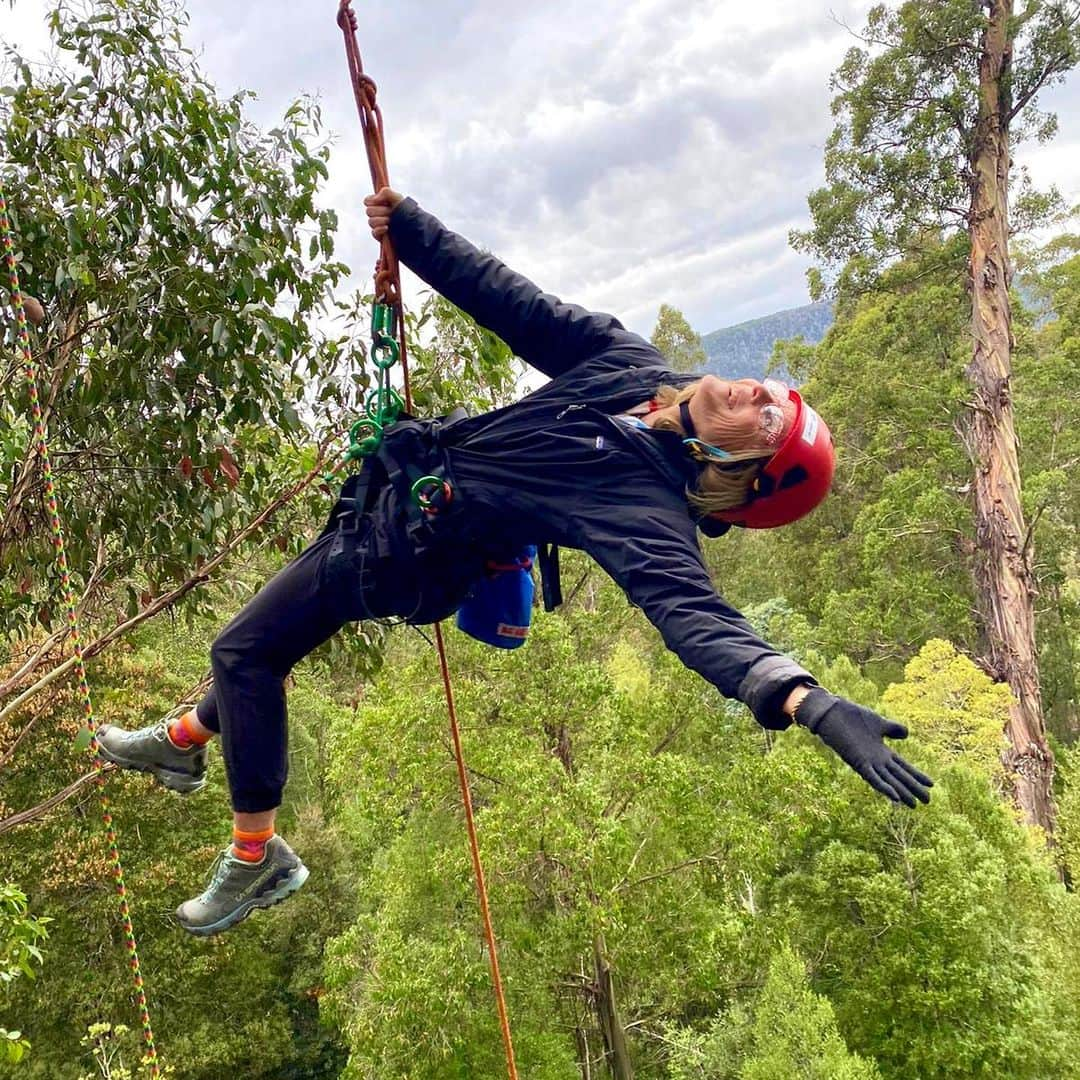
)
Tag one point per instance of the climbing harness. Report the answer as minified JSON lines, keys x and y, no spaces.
{"x":431,"y":494}
{"x":85,"y":738}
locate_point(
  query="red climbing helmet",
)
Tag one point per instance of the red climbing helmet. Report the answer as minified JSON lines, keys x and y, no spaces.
{"x":794,"y":480}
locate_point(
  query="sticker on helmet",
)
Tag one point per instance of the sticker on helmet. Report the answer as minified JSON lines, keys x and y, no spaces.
{"x":809,"y":431}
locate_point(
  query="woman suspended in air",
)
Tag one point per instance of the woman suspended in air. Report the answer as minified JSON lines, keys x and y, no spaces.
{"x":616,"y":455}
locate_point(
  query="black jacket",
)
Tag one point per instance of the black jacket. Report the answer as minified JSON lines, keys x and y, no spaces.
{"x":556,"y":467}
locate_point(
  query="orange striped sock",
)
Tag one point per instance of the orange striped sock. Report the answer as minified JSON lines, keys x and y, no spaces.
{"x":250,"y":846}
{"x":182,"y":732}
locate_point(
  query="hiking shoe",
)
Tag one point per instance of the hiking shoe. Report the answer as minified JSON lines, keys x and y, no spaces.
{"x":237,"y":888}
{"x":151,"y":750}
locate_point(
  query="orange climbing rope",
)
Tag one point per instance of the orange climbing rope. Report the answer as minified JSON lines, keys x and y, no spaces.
{"x":86,"y":736}
{"x":387,"y":272}
{"x":388,"y":291}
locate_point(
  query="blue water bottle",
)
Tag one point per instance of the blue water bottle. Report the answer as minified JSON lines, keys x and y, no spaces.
{"x":499,"y":609}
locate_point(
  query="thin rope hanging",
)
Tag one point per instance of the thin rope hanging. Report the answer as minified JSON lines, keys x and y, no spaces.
{"x":388,"y":290}
{"x":86,"y":736}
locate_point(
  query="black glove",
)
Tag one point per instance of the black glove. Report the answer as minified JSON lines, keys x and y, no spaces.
{"x":857,"y":735}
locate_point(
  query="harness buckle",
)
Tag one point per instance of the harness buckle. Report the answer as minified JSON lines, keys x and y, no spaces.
{"x":350,"y":513}
{"x":348,"y":524}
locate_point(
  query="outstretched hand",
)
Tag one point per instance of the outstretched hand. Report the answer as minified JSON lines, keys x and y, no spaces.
{"x":857,"y":734}
{"x":379,"y":208}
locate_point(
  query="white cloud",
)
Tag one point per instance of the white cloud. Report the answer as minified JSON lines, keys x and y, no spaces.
{"x":623,"y":153}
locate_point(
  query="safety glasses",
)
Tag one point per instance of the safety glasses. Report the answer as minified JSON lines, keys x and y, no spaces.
{"x":772,"y":414}
{"x":771,"y":421}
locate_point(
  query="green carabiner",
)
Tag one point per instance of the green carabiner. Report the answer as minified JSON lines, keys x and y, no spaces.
{"x":384,"y":352}
{"x":382,"y":321}
{"x":365,"y":437}
{"x":385,"y":405}
{"x":425,"y":490}
{"x":384,"y":347}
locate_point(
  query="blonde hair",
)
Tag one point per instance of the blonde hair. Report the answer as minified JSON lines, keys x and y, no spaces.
{"x":721,"y":485}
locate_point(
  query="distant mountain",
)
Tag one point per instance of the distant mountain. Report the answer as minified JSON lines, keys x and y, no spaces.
{"x":743,"y":350}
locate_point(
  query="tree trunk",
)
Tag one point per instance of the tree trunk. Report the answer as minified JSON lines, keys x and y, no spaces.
{"x":607,"y":1011}
{"x":1004,"y":584}
{"x":581,"y":1038}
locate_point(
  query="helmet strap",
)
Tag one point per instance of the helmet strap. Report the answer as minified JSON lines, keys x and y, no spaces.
{"x":699,"y":450}
{"x":684,"y":419}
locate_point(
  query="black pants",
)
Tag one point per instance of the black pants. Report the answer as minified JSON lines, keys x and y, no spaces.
{"x":302,"y":606}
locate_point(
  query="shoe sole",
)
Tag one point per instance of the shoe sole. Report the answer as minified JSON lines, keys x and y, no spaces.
{"x":283,"y":891}
{"x":183,"y":783}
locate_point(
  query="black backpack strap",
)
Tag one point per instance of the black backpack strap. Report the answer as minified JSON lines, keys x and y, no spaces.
{"x":548,"y":559}
{"x":358,"y":495}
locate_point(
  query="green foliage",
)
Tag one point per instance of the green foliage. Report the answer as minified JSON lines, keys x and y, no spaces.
{"x":107,"y":1044}
{"x":899,"y":162}
{"x":183,"y":262}
{"x":20,"y":933}
{"x":1067,"y":773}
{"x":614,"y":792}
{"x":953,"y":709}
{"x":795,"y":1033}
{"x":186,"y":267}
{"x":680,"y":346}
{"x":885,"y":564}
{"x":791,"y":1033}
{"x":247,"y":1003}
{"x":618,"y":799}
{"x":952,"y":913}
{"x":574,"y":817}
{"x":882,"y":565}
{"x":456,"y":361}
{"x":1047,"y":386}
{"x":13,"y":1046}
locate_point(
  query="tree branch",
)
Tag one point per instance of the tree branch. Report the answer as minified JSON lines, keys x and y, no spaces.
{"x":10,"y":752}
{"x":1053,"y":67}
{"x":170,"y":598}
{"x":25,"y":816}
{"x":57,"y":635}
{"x":710,"y":858}
{"x":1024,"y":548}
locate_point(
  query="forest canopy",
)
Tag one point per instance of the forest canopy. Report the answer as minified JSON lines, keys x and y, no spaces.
{"x":677,"y":893}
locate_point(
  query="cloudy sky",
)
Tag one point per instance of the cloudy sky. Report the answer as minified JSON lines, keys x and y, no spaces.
{"x":622,"y":153}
